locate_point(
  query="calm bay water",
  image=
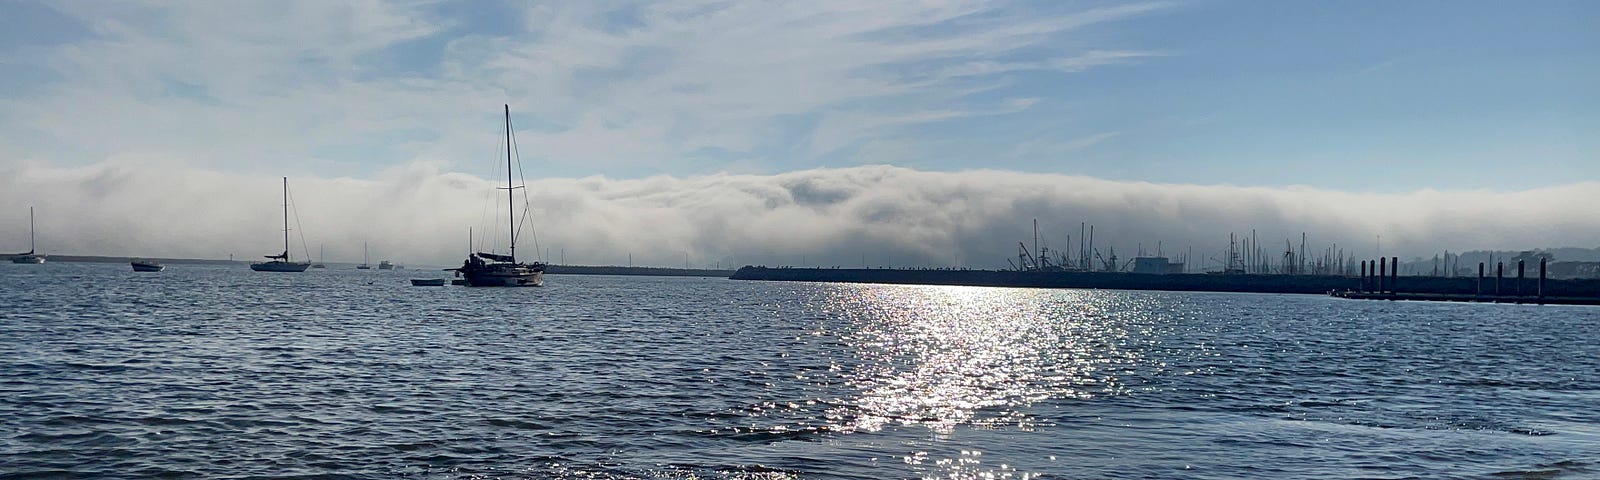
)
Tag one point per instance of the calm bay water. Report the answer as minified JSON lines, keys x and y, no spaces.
{"x":205,"y":371}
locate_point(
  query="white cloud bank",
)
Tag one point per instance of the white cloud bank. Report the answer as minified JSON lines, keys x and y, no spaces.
{"x":418,"y":214}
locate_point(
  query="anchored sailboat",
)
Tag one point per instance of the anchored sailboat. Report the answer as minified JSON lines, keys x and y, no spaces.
{"x":363,"y":265}
{"x":281,"y":262}
{"x":493,"y":270}
{"x":29,"y":257}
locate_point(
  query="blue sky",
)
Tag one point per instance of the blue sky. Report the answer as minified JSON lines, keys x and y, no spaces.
{"x":1380,"y":96}
{"x":1318,"y":104}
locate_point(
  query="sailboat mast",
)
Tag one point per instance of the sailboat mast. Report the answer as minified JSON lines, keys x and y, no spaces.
{"x":511,"y":214}
{"x":286,"y":219}
{"x":31,"y":234}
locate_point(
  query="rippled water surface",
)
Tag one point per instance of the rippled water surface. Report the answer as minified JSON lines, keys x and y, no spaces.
{"x":204,"y":371}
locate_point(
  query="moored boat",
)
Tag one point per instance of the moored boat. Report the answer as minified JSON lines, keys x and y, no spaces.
{"x":427,"y":282}
{"x":483,"y":269}
{"x":147,"y":266}
{"x":30,"y":256}
{"x":281,"y":262}
{"x":363,"y":265}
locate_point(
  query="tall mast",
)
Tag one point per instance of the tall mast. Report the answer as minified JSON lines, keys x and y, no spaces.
{"x":286,"y":219}
{"x":511,"y":207}
{"x":31,"y":247}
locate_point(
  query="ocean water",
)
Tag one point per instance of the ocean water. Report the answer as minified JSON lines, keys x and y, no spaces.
{"x":217,"y":372}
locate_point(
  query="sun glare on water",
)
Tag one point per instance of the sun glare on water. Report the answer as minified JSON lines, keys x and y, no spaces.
{"x":947,"y":356}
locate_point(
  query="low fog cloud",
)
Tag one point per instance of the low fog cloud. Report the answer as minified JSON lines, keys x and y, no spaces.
{"x":419,"y":215}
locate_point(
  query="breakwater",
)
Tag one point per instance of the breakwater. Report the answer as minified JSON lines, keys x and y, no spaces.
{"x":647,"y":271}
{"x":1310,"y":284}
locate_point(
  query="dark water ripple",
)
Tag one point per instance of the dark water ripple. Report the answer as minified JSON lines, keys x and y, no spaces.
{"x":205,"y":372}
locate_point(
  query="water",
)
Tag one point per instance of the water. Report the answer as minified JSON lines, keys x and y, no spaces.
{"x":223,"y":372}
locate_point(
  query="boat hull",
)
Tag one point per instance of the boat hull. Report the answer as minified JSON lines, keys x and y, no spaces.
{"x":148,"y":267}
{"x":35,"y":259}
{"x":423,"y":282}
{"x":503,"y":275}
{"x":279,"y":267}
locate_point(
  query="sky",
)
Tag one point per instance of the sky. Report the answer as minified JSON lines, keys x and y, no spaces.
{"x":715,"y":133}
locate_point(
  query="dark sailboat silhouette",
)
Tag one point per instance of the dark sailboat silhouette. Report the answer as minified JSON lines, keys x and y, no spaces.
{"x":281,"y":262}
{"x":483,"y":269}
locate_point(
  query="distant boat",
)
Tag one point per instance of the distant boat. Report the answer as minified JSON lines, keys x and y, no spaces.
{"x":147,"y":266}
{"x":427,"y":282}
{"x":29,"y":257}
{"x":385,"y":265}
{"x":320,"y":258}
{"x":494,"y":270}
{"x":363,"y":265}
{"x":281,"y":262}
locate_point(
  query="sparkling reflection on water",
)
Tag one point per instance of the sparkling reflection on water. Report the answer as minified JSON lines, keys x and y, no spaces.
{"x":212,"y":372}
{"x":948,"y":356}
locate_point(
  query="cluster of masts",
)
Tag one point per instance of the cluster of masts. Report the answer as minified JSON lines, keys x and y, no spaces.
{"x":1041,"y":258}
{"x":1249,"y":256}
{"x":1245,"y":256}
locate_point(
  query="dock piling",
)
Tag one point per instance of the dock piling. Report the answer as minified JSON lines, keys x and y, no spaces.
{"x":1499,"y":273}
{"x":1383,"y":271}
{"x":1519,"y":277}
{"x":1479,"y":291}
{"x":1394,"y":271}
{"x":1363,"y":276}
{"x":1541,"y":279}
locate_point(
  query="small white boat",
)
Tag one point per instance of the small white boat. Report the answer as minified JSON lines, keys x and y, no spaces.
{"x":147,"y":266}
{"x":427,"y":282}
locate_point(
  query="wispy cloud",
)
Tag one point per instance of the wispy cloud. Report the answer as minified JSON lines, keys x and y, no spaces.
{"x":332,"y":87}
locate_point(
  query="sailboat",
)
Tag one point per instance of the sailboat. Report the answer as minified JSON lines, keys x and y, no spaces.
{"x":363,"y":265}
{"x":494,"y":270}
{"x":320,"y":258}
{"x":29,"y":257}
{"x":281,"y":262}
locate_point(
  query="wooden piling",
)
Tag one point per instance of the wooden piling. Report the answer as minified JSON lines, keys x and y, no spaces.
{"x":1480,"y":280}
{"x":1363,"y":276}
{"x":1519,"y":277}
{"x":1394,"y":272}
{"x":1499,"y":273}
{"x":1383,"y":271}
{"x":1541,"y":278}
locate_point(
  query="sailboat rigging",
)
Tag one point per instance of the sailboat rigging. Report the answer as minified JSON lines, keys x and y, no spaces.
{"x":363,"y":265}
{"x":29,"y":257}
{"x":281,"y":262}
{"x":483,"y":269}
